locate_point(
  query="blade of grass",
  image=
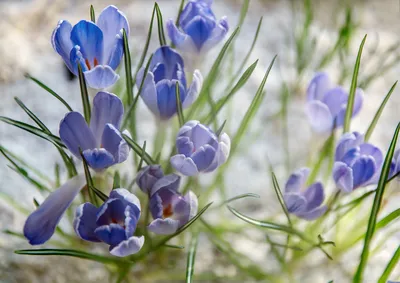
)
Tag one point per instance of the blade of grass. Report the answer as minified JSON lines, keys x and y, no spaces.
{"x":243,"y":12}
{"x":191,"y":257}
{"x":353,"y":87}
{"x":160,"y":23}
{"x":92,"y":14}
{"x":84,"y":94}
{"x":179,"y":105}
{"x":128,"y":69}
{"x":49,"y":90}
{"x":180,"y":9}
{"x":358,"y":277}
{"x":116,"y":181}
{"x":141,"y":157}
{"x":378,"y":113}
{"x":138,"y":150}
{"x":390,"y":266}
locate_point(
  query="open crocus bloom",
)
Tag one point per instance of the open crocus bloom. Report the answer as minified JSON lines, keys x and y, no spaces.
{"x":357,"y":163}
{"x":199,"y":149}
{"x":159,"y":87}
{"x":169,"y":208}
{"x":113,"y":223}
{"x":199,"y":30}
{"x":97,"y":47}
{"x":41,"y":224}
{"x":304,"y":203}
{"x":148,"y":176}
{"x":101,"y":143}
{"x":326,"y":105}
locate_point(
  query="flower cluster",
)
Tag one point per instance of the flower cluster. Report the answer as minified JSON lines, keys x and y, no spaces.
{"x":97,"y":48}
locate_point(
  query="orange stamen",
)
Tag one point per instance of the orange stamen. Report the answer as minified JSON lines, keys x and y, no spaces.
{"x":87,"y":63}
{"x":167,"y":211}
{"x":95,"y":62}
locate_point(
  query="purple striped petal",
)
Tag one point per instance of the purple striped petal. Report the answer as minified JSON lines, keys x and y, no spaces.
{"x":127,"y":247}
{"x":319,"y":116}
{"x":115,"y":144}
{"x":98,"y":158}
{"x":314,"y":195}
{"x":343,"y":176}
{"x":194,"y":89}
{"x":102,"y":76}
{"x":112,"y":234}
{"x":163,"y":226}
{"x":318,"y":86}
{"x":62,"y":43}
{"x":85,"y":222}
{"x":184,"y":165}
{"x":363,"y":170}
{"x":149,"y":92}
{"x":295,"y":203}
{"x":218,"y":34}
{"x":297,"y":180}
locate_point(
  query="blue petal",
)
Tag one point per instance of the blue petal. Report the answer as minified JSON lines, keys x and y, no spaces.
{"x":373,"y":151}
{"x":166,"y":226}
{"x":131,"y":220}
{"x":335,"y":99}
{"x":314,"y":195}
{"x":156,"y":207}
{"x":112,"y":234}
{"x":347,"y":142}
{"x":75,"y":133}
{"x":363,"y":170}
{"x":343,"y":176}
{"x":313,"y":214}
{"x":40,"y":225}
{"x":128,"y":199}
{"x":111,"y":21}
{"x":148,"y":176}
{"x":127,"y":247}
{"x":90,"y":39}
{"x":179,"y":39}
{"x":107,"y":109}
{"x":112,"y":211}
{"x":76,"y":58}
{"x":319,"y":116}
{"x":201,"y":135}
{"x":318,"y":86}
{"x":113,"y":142}
{"x":199,"y":29}
{"x":217,"y":34}
{"x":295,"y":203}
{"x":350,"y":156}
{"x":203,"y":157}
{"x":102,"y":76}
{"x":98,"y":158}
{"x":166,"y":98}
{"x":149,"y":92}
{"x":165,"y":55}
{"x":85,"y":222}
{"x":184,"y":146}
{"x":170,"y":182}
{"x":297,"y":180}
{"x":184,"y":165}
{"x":196,"y":8}
{"x":194,"y":89}
{"x":62,"y":43}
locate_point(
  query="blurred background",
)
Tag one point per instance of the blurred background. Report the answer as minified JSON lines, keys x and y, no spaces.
{"x":308,"y":36}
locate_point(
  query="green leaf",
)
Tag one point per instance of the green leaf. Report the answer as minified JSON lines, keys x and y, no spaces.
{"x":353,"y":87}
{"x":173,"y":246}
{"x":390,"y":266}
{"x":117,"y":181}
{"x":180,"y":9}
{"x":92,"y":14}
{"x":141,"y":157}
{"x":191,"y":257}
{"x":84,"y":94}
{"x":32,"y":115}
{"x":70,"y":252}
{"x":240,"y":197}
{"x":128,"y":67}
{"x":388,"y":219}
{"x":243,"y":12}
{"x":251,"y":111}
{"x":220,"y":129}
{"x":223,"y":101}
{"x":378,"y":113}
{"x":138,"y":150}
{"x":179,"y":105}
{"x":279,"y":195}
{"x":161,"y":34}
{"x":36,"y":203}
{"x":358,"y":277}
{"x":49,"y":90}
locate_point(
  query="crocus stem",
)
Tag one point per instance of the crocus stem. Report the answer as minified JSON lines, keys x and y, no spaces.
{"x":159,"y":138}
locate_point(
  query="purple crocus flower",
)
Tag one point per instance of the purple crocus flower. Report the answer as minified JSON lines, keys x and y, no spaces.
{"x":395,"y":164}
{"x":159,"y":87}
{"x":304,"y":203}
{"x":101,"y":143}
{"x":148,"y":176}
{"x":199,"y":149}
{"x":113,"y":223}
{"x":357,"y":164}
{"x":41,"y":224}
{"x":326,"y":104}
{"x":170,"y":210}
{"x":97,"y":47}
{"x":199,"y":30}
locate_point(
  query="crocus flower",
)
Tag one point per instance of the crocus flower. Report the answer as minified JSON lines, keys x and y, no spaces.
{"x":41,"y":224}
{"x":199,"y":149}
{"x":97,"y":47}
{"x":199,"y":30}
{"x":357,"y":163}
{"x":159,"y":86}
{"x":326,"y":104}
{"x":113,"y":223}
{"x":148,"y":176}
{"x":170,"y":210}
{"x":304,"y":203}
{"x":101,"y":143}
{"x":395,"y":164}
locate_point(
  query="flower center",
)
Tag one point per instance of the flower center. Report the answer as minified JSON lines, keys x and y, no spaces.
{"x":95,"y":63}
{"x":168,"y":211}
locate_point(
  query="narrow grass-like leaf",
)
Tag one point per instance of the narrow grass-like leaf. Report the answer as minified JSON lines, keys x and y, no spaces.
{"x":240,"y":197}
{"x":36,"y":203}
{"x":92,"y":14}
{"x":243,"y":12}
{"x":116,"y":181}
{"x":279,"y":195}
{"x":141,"y":157}
{"x":252,"y":110}
{"x":84,"y":94}
{"x":32,"y":115}
{"x":358,"y":277}
{"x":72,"y":253}
{"x":179,"y":105}
{"x":223,"y":101}
{"x":138,"y":150}
{"x":49,"y":90}
{"x":385,"y":221}
{"x":160,"y":23}
{"x":353,"y":87}
{"x":191,"y":257}
{"x":180,"y":9}
{"x":390,"y":266}
{"x":220,"y":129}
{"x":128,"y":68}
{"x":13,"y":203}
{"x":15,"y":234}
{"x":174,"y":247}
{"x":378,"y":113}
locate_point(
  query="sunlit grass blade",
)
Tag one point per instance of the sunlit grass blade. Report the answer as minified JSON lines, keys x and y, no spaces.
{"x":252,"y":110}
{"x":243,"y":12}
{"x":191,"y":257}
{"x":141,"y":157}
{"x":358,"y":277}
{"x":33,"y":130}
{"x":128,"y":67}
{"x":179,"y":105}
{"x":72,"y":253}
{"x":385,"y":221}
{"x":138,"y":150}
{"x":49,"y":90}
{"x":353,"y":87}
{"x":32,"y":115}
{"x":223,"y":101}
{"x":92,"y":14}
{"x":378,"y":113}
{"x":84,"y":94}
{"x":160,"y":23}
{"x":390,"y":266}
